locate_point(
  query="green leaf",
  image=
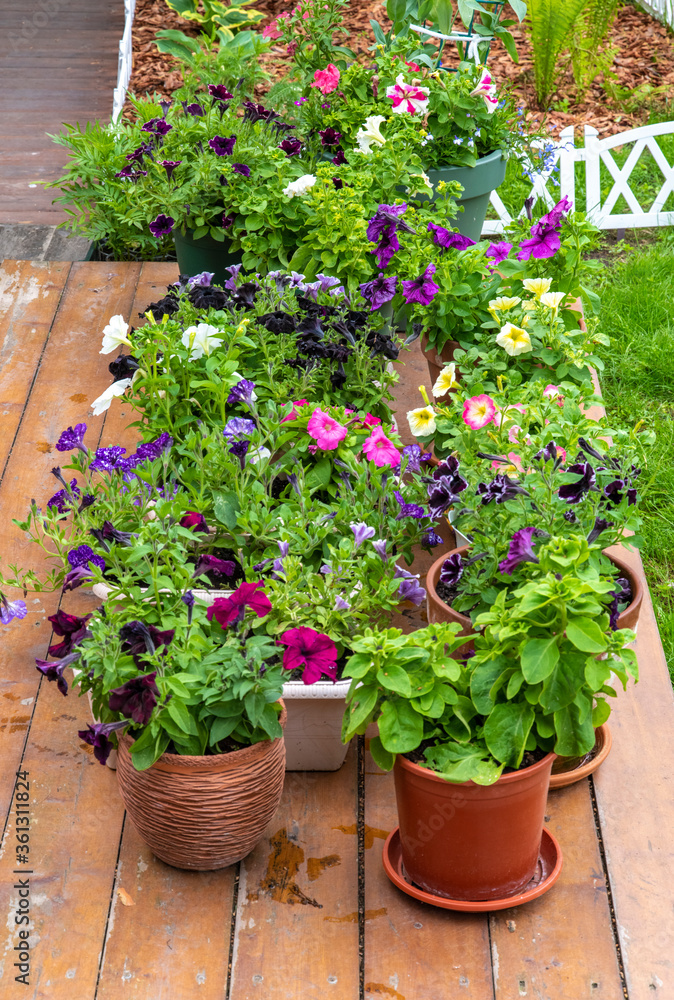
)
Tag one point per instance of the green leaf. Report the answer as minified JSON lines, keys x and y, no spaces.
{"x":381,"y":756}
{"x":586,"y":635}
{"x":379,"y":35}
{"x":573,"y":737}
{"x":482,"y":681}
{"x":561,"y":687}
{"x":394,"y":678}
{"x":222,"y":728}
{"x":539,"y":658}
{"x":181,"y":716}
{"x":506,"y":731}
{"x":520,"y":8}
{"x":401,"y":729}
{"x":319,"y":475}
{"x":360,"y":707}
{"x":592,"y":298}
{"x":600,"y":713}
{"x":226,"y":507}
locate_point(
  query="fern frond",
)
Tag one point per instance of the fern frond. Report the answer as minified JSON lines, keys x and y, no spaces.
{"x":550,"y":23}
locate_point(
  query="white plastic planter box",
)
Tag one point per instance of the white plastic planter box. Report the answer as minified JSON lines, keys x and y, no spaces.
{"x":313,"y":732}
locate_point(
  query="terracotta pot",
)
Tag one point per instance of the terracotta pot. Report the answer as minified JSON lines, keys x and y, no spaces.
{"x":204,"y":813}
{"x":468,"y":841}
{"x":569,"y":770}
{"x":436,"y":361}
{"x":630,"y":616}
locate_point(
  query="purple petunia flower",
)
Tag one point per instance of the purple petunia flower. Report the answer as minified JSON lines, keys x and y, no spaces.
{"x":554,"y":216}
{"x":422,"y":289}
{"x":170,"y":166}
{"x":415,"y":456}
{"x":72,"y":438}
{"x":233,"y":271}
{"x":108,"y":459}
{"x":54,"y":671}
{"x":195,"y":109}
{"x":407,"y":509}
{"x":431,"y":539}
{"x":221,"y":145}
{"x":238,"y":426}
{"x":240,"y":449}
{"x":211,"y":564}
{"x":96,"y":736}
{"x":341,"y":604}
{"x":443,"y":493}
{"x":448,"y":240}
{"x":452,"y":570}
{"x":330,"y":137}
{"x":361,"y":531}
{"x":129,"y":174}
{"x":544,"y":242}
{"x":9,"y":610}
{"x":62,"y":500}
{"x":136,"y":699}
{"x":84,"y":557}
{"x":388,"y":245}
{"x":574,"y":492}
{"x":162,"y":226}
{"x":291,"y":147}
{"x":242,"y":392}
{"x":498,"y":252}
{"x":500,"y":489}
{"x":621,"y":595}
{"x":521,"y":550}
{"x":158,"y":126}
{"x":379,"y":290}
{"x":241,"y":168}
{"x":339,"y":159}
{"x":219,"y":92}
{"x":145,"y":149}
{"x":148,"y":451}
{"x":76,"y":577}
{"x":409,"y":589}
{"x":202,"y":280}
{"x":386,"y":221}
{"x":227,"y":221}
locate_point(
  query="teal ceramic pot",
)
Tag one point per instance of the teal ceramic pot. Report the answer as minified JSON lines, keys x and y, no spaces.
{"x":478,"y":182}
{"x":206,"y":254}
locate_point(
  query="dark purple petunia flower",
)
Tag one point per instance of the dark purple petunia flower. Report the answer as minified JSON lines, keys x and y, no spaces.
{"x":83,"y":556}
{"x":242,"y":392}
{"x":62,"y":500}
{"x":239,"y":449}
{"x":452,"y":570}
{"x":170,"y":166}
{"x":148,"y":451}
{"x":500,"y":489}
{"x":330,"y":137}
{"x":378,"y":291}
{"x":554,"y":216}
{"x":388,"y":245}
{"x":448,"y":240}
{"x":76,"y":577}
{"x":569,"y":516}
{"x":108,"y":459}
{"x":574,"y":492}
{"x":96,"y":736}
{"x":192,"y":519}
{"x":237,"y":427}
{"x":431,"y":539}
{"x":544,"y":242}
{"x":136,"y":699}
{"x":450,"y":467}
{"x":123,"y":367}
{"x":222,"y":146}
{"x":195,"y":109}
{"x":443,"y":493}
{"x":521,"y":550}
{"x":72,"y":628}
{"x":408,"y":509}
{"x":241,"y":168}
{"x":54,"y":671}
{"x":621,"y":595}
{"x":422,"y":289}
{"x":129,"y":174}
{"x":219,"y":92}
{"x":498,"y":252}
{"x":600,"y":525}
{"x":138,"y":638}
{"x":158,"y":126}
{"x":162,"y":226}
{"x":338,"y":183}
{"x":227,"y":221}
{"x":339,"y":159}
{"x":188,"y":600}
{"x":616,"y":491}
{"x":145,"y":149}
{"x":291,"y":147}
{"x":387,"y":220}
{"x":211,"y":564}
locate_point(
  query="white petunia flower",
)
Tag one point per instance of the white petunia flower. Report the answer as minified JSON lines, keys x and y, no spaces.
{"x":201,"y":340}
{"x":445,"y":381}
{"x":115,"y":334}
{"x":514,"y":340}
{"x":539,"y":286}
{"x":117,"y":388}
{"x":422,"y":421}
{"x":370,"y":133}
{"x":300,"y":186}
{"x":552,"y":300}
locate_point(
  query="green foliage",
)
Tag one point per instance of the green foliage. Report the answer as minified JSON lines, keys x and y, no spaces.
{"x":588,"y":58}
{"x":233,"y":61}
{"x":217,"y":17}
{"x":550,"y":23}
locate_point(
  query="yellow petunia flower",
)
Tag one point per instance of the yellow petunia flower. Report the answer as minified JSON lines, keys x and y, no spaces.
{"x":514,"y":340}
{"x":539,"y":286}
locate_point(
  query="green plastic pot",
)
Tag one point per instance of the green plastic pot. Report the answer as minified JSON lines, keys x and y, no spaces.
{"x":478,"y":182}
{"x":205,"y":254}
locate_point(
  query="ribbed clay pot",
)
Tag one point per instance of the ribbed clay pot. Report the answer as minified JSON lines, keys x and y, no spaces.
{"x":204,"y":813}
{"x":468,"y":841}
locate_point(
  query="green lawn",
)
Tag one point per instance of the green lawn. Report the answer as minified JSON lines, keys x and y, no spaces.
{"x":637,"y":292}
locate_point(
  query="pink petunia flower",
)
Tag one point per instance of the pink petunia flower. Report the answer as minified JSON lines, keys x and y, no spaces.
{"x":478,"y":411}
{"x":408,"y":97}
{"x":413,"y":66}
{"x":371,"y":421}
{"x":327,"y":79}
{"x":325,"y":430}
{"x":380,"y":450}
{"x":315,"y":651}
{"x":293,"y":415}
{"x":486,"y":89}
{"x":552,"y":392}
{"x":513,"y":463}
{"x":271,"y":32}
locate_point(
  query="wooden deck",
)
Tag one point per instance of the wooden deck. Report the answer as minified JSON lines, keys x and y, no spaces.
{"x":58,"y":63}
{"x":310,"y":913}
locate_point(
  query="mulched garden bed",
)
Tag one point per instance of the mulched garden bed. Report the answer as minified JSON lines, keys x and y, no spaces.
{"x":645,"y":62}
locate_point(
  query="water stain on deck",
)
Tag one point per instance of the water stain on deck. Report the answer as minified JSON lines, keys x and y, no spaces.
{"x":380,"y":990}
{"x":352,"y":918}
{"x":369,"y":833}
{"x":44,"y":447}
{"x":79,"y":397}
{"x":316,"y":866}
{"x":282,"y":867}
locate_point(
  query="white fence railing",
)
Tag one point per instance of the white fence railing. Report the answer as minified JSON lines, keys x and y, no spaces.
{"x":662,"y":9}
{"x":564,"y":155}
{"x":125,"y":61}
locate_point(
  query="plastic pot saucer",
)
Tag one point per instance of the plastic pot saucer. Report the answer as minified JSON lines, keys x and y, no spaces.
{"x":547,"y":872}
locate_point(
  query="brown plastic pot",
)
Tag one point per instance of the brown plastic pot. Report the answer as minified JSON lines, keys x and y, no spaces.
{"x":468,"y":841}
{"x":204,"y":813}
{"x":630,"y":616}
{"x":569,"y":770}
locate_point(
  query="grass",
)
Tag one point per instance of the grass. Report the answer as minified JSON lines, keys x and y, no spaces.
{"x":637,"y":292}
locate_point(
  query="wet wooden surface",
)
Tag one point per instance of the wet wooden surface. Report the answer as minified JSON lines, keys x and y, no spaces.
{"x":310,"y":913}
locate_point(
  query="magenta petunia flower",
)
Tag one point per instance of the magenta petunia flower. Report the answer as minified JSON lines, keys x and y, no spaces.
{"x":554,"y":216}
{"x":448,"y":240}
{"x":544,"y":242}
{"x":422,"y":289}
{"x":314,"y":651}
{"x":498,"y":252}
{"x":325,"y":430}
{"x":388,"y":246}
{"x":380,"y":450}
{"x":293,"y":415}
{"x":521,"y":550}
{"x":226,"y":610}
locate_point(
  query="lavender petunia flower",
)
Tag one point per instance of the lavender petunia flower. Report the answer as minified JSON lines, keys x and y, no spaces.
{"x":574,"y":492}
{"x":379,"y":545}
{"x":241,"y":168}
{"x":341,"y":604}
{"x":96,"y":736}
{"x":9,"y":610}
{"x":170,"y":166}
{"x":422,"y":289}
{"x":379,"y":290}
{"x":242,"y":392}
{"x":452,"y":570}
{"x":361,"y":531}
{"x":136,"y":699}
{"x":108,"y":459}
{"x":162,"y":226}
{"x":521,"y":550}
{"x":233,"y":271}
{"x":448,"y":240}
{"x":409,"y":589}
{"x":221,"y":145}
{"x":407,"y":509}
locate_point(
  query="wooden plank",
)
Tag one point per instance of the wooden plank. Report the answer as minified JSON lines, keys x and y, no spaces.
{"x":635,"y":798}
{"x":537,"y":949}
{"x":169,"y":930}
{"x":296,"y":932}
{"x":414,"y":951}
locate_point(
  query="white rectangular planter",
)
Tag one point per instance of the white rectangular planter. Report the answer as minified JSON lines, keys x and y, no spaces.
{"x":313,"y":732}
